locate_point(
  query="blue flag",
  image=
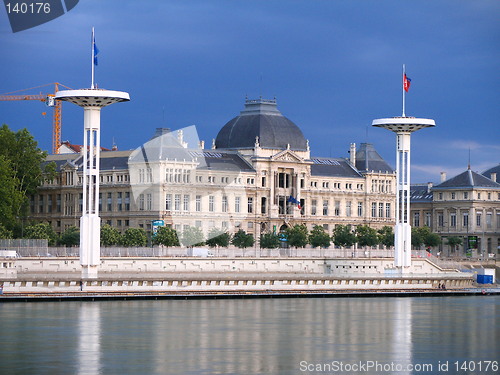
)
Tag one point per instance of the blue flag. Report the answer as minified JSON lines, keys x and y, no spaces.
{"x":96,"y":52}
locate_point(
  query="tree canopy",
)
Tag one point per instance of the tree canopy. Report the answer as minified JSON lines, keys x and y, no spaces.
{"x":319,"y":237}
{"x":166,"y":236}
{"x":218,"y":237}
{"x":269,"y":241}
{"x":343,"y":235}
{"x":242,"y":240}
{"x":22,"y":171}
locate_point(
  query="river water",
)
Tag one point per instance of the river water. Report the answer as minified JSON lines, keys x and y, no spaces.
{"x":382,"y":335}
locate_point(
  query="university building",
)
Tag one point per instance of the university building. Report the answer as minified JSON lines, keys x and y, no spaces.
{"x":258,"y":175}
{"x":465,"y":206}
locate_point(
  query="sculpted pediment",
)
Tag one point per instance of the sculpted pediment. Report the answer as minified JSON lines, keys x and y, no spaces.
{"x":287,"y":155}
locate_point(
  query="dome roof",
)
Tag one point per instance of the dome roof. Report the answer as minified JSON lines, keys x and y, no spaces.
{"x":261,"y":118}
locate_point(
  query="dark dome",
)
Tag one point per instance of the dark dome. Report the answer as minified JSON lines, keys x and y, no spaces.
{"x":261,"y":118}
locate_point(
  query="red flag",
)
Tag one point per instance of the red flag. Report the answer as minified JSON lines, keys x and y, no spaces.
{"x":406,"y":82}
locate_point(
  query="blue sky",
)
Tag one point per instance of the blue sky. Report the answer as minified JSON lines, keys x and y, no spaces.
{"x":333,"y":66}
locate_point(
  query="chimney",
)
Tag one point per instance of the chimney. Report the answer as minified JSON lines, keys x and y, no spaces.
{"x":352,"y":154}
{"x":429,"y":187}
{"x":493,"y":176}
{"x":202,"y":144}
{"x":443,"y":176}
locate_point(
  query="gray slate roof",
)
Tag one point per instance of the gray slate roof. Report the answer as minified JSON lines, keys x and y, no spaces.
{"x":368,"y":159}
{"x":261,"y":119}
{"x":333,"y":167}
{"x":495,"y":169}
{"x":467,"y":179}
{"x":420,"y":193}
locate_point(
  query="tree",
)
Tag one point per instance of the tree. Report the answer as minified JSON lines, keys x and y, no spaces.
{"x":343,"y":236}
{"x":386,"y":236}
{"x":11,"y":200}
{"x":423,"y":236}
{"x":218,"y":237}
{"x":4,"y":232}
{"x":166,"y":236}
{"x":269,"y":241}
{"x":41,"y":231}
{"x":110,"y":236}
{"x":319,"y":237}
{"x":192,"y":236}
{"x":366,"y":236}
{"x":454,"y":242}
{"x":22,"y":171}
{"x":134,"y":237}
{"x":297,"y":235}
{"x":242,"y":239}
{"x":70,"y":237}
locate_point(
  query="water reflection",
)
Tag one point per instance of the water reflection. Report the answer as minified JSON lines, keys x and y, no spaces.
{"x":89,"y":339}
{"x":261,"y":336}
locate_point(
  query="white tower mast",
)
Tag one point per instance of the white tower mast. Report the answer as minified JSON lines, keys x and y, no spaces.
{"x":92,"y":100}
{"x":403,"y":127}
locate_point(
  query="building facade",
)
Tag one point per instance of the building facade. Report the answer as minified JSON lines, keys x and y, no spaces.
{"x":258,"y":176}
{"x":465,"y":206}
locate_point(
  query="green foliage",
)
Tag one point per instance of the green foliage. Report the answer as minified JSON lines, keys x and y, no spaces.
{"x":366,"y":236}
{"x":297,"y":235}
{"x":269,"y":241}
{"x":21,"y":173}
{"x":319,"y":237}
{"x":386,"y":236}
{"x":343,"y":236}
{"x":110,"y":236}
{"x":423,"y":236}
{"x":218,"y":237}
{"x":41,"y":231}
{"x":11,"y":200}
{"x":4,"y":232}
{"x":70,"y":237}
{"x":192,"y":236}
{"x":134,"y":237}
{"x":454,"y":242}
{"x":242,"y":239}
{"x":166,"y":236}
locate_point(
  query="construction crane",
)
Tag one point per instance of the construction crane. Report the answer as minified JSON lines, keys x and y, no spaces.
{"x":49,"y":99}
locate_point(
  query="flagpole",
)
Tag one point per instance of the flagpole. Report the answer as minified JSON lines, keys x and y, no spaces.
{"x":92,"y":48}
{"x":403,"y":88}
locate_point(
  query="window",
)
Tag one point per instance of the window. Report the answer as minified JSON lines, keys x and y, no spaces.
{"x":49,"y":203}
{"x":337,"y":208}
{"x":168,"y":202}
{"x":440,"y":220}
{"x":348,"y":206}
{"x":440,"y":196}
{"x":141,"y":202}
{"x":466,"y":195}
{"x":186,"y":203}
{"x":58,"y":203}
{"x":109,"y":202}
{"x":489,"y":217}
{"x":263,"y":182}
{"x":237,"y":204}
{"x":80,"y":202}
{"x":314,"y":203}
{"x":198,"y":203}
{"x":177,"y":202}
{"x":40,"y":203}
{"x":224,"y":203}
{"x":428,"y":219}
{"x":100,"y":201}
{"x":374,"y":209}
{"x":453,"y":219}
{"x":325,"y":208}
{"x":416,"y":219}
{"x":388,"y":210}
{"x":453,"y":195}
{"x":250,"y":205}
{"x":380,"y":210}
{"x":149,"y":202}
{"x":478,"y":219}
{"x":465,"y":219}
{"x":283,"y":180}
{"x":119,"y":203}
{"x":211,"y":203}
{"x":127,"y":201}
{"x":360,"y":209}
{"x":263,"y":205}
